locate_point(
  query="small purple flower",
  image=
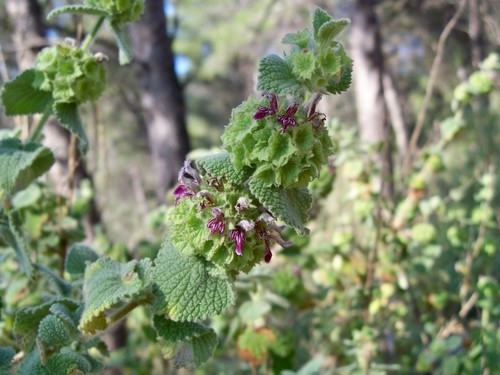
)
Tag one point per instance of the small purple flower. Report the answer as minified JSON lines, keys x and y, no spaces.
{"x":268,"y":254}
{"x":182,"y":191}
{"x":288,"y":119}
{"x":237,"y":235}
{"x":218,"y":223}
{"x":267,"y":111}
{"x":241,"y":204}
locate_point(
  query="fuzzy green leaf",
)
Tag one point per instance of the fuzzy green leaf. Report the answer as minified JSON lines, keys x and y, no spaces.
{"x":79,"y":255}
{"x":189,"y":288}
{"x":19,"y":97}
{"x":62,"y":363}
{"x":53,"y":333}
{"x":220,"y":165}
{"x":304,"y":64}
{"x":299,"y":39}
{"x":78,"y":9}
{"x":187,"y":344}
{"x":27,"y":197}
{"x":62,"y":286}
{"x":107,"y":284}
{"x":319,"y":18}
{"x":276,"y":75}
{"x":331,"y":29}
{"x":6,"y":355}
{"x":27,"y":319}
{"x":289,"y":205}
{"x":22,"y":163}
{"x":68,"y":116}
{"x":337,"y":85}
{"x":11,"y":231}
{"x":124,"y":54}
{"x":280,"y":149}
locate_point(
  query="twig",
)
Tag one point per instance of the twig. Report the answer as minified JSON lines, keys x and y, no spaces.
{"x":421,"y":117}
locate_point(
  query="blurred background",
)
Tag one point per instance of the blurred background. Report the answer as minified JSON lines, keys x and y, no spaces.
{"x":400,"y":273}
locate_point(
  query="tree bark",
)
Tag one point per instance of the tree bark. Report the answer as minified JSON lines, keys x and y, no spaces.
{"x":161,"y":95}
{"x":368,"y":73}
{"x":475,"y":33}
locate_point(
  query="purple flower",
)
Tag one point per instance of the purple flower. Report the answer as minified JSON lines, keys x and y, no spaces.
{"x":268,"y":254}
{"x":182,"y":191}
{"x":288,"y":119}
{"x":237,"y":235}
{"x":241,"y":204}
{"x":218,"y":223}
{"x":267,"y":111}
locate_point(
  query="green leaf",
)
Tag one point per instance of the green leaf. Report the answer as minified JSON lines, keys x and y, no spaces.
{"x":331,"y":29}
{"x":276,"y":75}
{"x":20,"y":97}
{"x":189,"y":288}
{"x":27,"y":319}
{"x":53,"y":333}
{"x":6,"y":355}
{"x":304,"y":64}
{"x":187,"y":344}
{"x":108,"y":284}
{"x":63,"y":287}
{"x":320,"y":17}
{"x":11,"y":231}
{"x":62,"y":363}
{"x":125,"y":56}
{"x":78,"y":9}
{"x":27,"y":197}
{"x":68,"y":116}
{"x":22,"y":163}
{"x":250,"y":311}
{"x":289,"y":205}
{"x":299,"y":39}
{"x":78,"y":257}
{"x":220,"y":165}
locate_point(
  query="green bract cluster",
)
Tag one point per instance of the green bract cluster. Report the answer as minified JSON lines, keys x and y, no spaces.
{"x":71,"y":74}
{"x":121,"y":11}
{"x":316,"y":62}
{"x":287,"y":156}
{"x":217,"y":218}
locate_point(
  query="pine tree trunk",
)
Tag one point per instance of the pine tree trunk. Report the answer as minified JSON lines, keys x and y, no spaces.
{"x":161,"y":95}
{"x":368,"y":73}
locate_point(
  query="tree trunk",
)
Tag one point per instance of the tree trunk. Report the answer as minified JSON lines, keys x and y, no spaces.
{"x":161,"y":95}
{"x":368,"y":74}
{"x":475,"y":33}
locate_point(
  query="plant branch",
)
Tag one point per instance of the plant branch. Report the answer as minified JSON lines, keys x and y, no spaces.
{"x":37,"y":131}
{"x":90,"y":37}
{"x":421,"y":117}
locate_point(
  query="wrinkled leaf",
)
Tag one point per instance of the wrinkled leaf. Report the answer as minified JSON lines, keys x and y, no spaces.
{"x":68,"y":116}
{"x":188,"y":288}
{"x":79,"y":255}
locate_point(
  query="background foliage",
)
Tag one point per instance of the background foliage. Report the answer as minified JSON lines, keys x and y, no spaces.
{"x":406,"y":283}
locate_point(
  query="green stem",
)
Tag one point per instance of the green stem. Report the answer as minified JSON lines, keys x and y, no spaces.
{"x":90,"y":37}
{"x":35,"y":136}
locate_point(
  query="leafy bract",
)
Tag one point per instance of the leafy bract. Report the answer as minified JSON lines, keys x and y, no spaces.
{"x":20,"y":97}
{"x":331,"y":29}
{"x":68,"y":116}
{"x":289,"y":205}
{"x":220,"y":165}
{"x":187,"y":344}
{"x":299,"y":39}
{"x":124,"y":54}
{"x":21,"y":163}
{"x":319,"y":18}
{"x":79,"y":255}
{"x":78,"y":9}
{"x":276,"y":75}
{"x":107,"y":285}
{"x":188,"y":287}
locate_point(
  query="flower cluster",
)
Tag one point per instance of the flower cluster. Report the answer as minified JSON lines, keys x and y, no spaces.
{"x":71,"y":74}
{"x":229,"y":220}
{"x":286,"y":120}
